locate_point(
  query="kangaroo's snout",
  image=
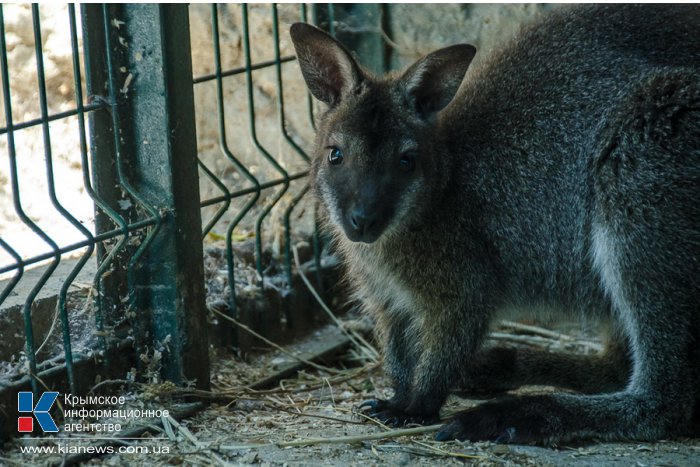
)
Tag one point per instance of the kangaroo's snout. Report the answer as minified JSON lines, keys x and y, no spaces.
{"x":364,"y":224}
{"x":359,"y":220}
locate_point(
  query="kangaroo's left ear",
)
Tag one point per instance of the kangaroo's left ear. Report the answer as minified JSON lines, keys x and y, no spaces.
{"x":432,"y":82}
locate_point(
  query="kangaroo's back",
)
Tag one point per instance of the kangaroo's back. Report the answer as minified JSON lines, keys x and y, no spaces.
{"x":575,"y":63}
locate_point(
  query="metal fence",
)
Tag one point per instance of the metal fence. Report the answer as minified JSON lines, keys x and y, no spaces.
{"x":131,"y":221}
{"x":152,"y":105}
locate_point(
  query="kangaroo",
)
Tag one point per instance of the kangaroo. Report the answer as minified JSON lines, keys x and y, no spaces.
{"x":560,"y":176}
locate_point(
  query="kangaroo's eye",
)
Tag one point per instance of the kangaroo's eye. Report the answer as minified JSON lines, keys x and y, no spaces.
{"x":335,"y":156}
{"x":407,"y":161}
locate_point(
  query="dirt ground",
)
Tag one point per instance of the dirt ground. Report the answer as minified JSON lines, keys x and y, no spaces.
{"x":299,"y":420}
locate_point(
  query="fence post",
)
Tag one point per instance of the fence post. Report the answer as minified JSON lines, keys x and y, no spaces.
{"x":150,"y":89}
{"x":171,"y":279}
{"x":359,"y":27}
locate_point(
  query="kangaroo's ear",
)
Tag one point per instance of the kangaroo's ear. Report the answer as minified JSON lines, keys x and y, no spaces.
{"x":328,"y":68}
{"x":432,"y":82}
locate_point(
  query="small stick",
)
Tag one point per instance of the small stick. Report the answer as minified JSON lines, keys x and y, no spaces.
{"x":359,"y":438}
{"x":340,"y":439}
{"x":355,"y":338}
{"x":313,"y":415}
{"x":330,"y":388}
{"x":182,"y":429}
{"x":365,"y":416}
{"x":552,"y":334}
{"x":541,"y":341}
{"x":108,"y":382}
{"x":536,"y":330}
{"x":532,"y":340}
{"x":445,"y":452}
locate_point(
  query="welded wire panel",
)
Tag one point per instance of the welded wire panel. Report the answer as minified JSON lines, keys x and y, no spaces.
{"x":73,"y":228}
{"x":39,"y":226}
{"x":251,"y":150}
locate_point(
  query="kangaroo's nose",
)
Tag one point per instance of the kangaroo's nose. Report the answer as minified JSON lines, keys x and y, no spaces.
{"x":360,"y":221}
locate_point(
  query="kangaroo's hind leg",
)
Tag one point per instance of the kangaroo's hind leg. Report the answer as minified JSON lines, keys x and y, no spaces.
{"x":501,"y":369}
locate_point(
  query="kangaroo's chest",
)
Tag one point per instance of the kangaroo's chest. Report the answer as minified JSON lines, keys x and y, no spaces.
{"x":381,"y":285}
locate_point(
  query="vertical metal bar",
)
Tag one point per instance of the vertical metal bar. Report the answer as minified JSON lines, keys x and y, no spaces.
{"x":113,"y":215}
{"x":323,"y":16}
{"x":223,"y":144}
{"x":280,"y":87}
{"x":314,"y":13}
{"x":43,"y":106}
{"x":385,"y":25}
{"x":19,"y":267}
{"x":110,"y":279}
{"x":287,"y":232}
{"x":227,"y":198}
{"x":331,"y":20}
{"x":160,"y":148}
{"x":309,"y":98}
{"x":369,"y":46}
{"x":266,"y":155}
{"x":119,"y":143}
{"x":283,"y":128}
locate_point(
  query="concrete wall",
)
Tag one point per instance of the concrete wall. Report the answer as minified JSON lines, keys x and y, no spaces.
{"x":417,"y":29}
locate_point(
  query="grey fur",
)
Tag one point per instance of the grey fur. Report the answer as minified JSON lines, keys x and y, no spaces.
{"x":564,"y":175}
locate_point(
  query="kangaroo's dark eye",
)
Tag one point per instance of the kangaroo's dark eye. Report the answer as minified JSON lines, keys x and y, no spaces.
{"x":335,"y":156}
{"x":407,"y":161}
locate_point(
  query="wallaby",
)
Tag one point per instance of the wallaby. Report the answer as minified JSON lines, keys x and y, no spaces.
{"x":561,"y":176}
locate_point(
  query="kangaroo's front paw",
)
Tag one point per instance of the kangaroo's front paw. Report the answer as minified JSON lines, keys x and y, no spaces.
{"x":389,"y":414}
{"x":505,"y":421}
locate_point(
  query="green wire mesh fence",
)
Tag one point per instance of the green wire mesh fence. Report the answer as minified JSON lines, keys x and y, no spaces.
{"x":17,"y":267}
{"x":270,"y":187}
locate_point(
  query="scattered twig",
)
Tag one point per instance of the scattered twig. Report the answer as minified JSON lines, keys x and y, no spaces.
{"x":234,"y":393}
{"x":58,"y":401}
{"x":200,"y":447}
{"x":325,"y":417}
{"x":445,"y":452}
{"x":108,"y":382}
{"x":56,"y":314}
{"x":538,"y":341}
{"x":340,"y":439}
{"x":272,"y":344}
{"x":181,"y":429}
{"x":50,"y":332}
{"x":355,"y":338}
{"x":330,"y":389}
{"x":536,"y":330}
